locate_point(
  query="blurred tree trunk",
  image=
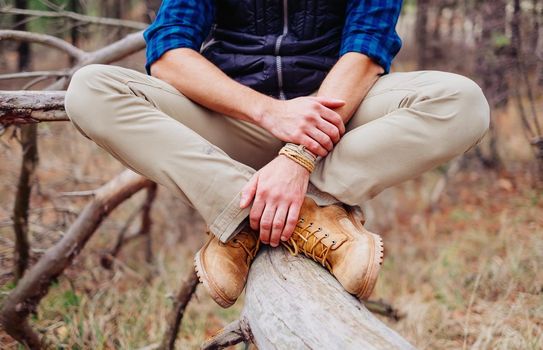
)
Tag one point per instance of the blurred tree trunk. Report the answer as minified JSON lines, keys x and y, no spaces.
{"x":436,"y":43}
{"x":24,"y":47}
{"x":492,"y":63}
{"x":529,"y":113}
{"x":29,"y":162}
{"x":421,"y":25}
{"x":74,"y":6}
{"x":115,"y":9}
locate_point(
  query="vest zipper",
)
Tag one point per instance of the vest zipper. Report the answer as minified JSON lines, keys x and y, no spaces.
{"x":278,"y":59}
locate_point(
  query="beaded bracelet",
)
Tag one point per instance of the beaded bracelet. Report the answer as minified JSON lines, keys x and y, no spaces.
{"x":300,"y":155}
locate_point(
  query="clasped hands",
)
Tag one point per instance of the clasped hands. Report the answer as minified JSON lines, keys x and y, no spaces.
{"x":277,"y":190}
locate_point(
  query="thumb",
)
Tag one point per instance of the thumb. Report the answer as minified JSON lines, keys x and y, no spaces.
{"x":248,"y":192}
{"x":329,"y":102}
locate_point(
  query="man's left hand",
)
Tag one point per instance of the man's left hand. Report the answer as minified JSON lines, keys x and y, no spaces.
{"x":278,"y":190}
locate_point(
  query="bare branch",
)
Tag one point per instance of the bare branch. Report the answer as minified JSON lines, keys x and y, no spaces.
{"x":33,"y":82}
{"x":187,"y":289}
{"x":145,"y":229}
{"x":22,"y":107}
{"x":77,"y":193}
{"x":230,"y":335}
{"x":383,"y":308}
{"x":77,"y":17}
{"x":106,"y":260}
{"x":116,"y":51}
{"x":44,"y":39}
{"x":24,"y":299}
{"x":29,"y":163}
{"x":33,"y":107}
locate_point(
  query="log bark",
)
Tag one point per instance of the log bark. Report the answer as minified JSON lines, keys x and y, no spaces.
{"x":293,"y":303}
{"x":24,"y":299}
{"x":24,"y":107}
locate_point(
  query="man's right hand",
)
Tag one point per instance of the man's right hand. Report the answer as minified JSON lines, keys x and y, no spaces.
{"x":308,"y":121}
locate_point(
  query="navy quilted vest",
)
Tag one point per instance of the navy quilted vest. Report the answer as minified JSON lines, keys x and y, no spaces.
{"x":282,"y":48}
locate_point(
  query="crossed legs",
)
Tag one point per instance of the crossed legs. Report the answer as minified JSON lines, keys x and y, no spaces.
{"x":408,"y":124}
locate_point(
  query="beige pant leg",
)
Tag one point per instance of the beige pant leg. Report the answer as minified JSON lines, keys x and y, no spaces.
{"x":153,"y":129}
{"x":408,"y":123}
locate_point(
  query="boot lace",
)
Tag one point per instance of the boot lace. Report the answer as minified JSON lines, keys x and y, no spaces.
{"x":251,"y":253}
{"x":304,"y":240}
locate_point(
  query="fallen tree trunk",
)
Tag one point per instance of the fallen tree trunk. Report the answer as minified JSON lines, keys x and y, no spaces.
{"x":23,"y":300}
{"x":293,"y":303}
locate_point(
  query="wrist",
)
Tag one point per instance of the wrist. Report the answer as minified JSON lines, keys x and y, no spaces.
{"x":299,"y":155}
{"x":262,"y":109}
{"x":299,"y":169}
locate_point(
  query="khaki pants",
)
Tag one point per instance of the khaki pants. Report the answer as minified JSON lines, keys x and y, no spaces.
{"x":407,"y":124}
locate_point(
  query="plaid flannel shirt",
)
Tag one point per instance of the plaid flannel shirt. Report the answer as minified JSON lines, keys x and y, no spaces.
{"x":369,"y":28}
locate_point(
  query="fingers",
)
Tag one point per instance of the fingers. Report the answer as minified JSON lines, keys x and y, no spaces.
{"x":248,"y":192}
{"x":330,"y":102}
{"x":278,"y":225}
{"x":330,"y":130}
{"x":292,"y":220}
{"x":324,"y":140}
{"x":256,"y":212}
{"x":333,"y":117}
{"x":266,"y":222}
{"x":313,"y":146}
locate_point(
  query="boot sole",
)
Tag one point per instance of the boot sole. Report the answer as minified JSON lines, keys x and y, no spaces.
{"x":374,"y":266}
{"x":209,"y":285}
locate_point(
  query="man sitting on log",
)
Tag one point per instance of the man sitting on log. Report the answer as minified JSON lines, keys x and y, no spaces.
{"x":276,"y":120}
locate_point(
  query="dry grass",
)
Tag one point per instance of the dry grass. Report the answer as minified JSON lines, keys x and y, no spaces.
{"x":469,"y":275}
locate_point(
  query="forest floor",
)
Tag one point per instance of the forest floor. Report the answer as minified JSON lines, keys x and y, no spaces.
{"x":467,"y":274}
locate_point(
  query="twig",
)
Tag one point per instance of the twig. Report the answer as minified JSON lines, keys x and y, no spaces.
{"x":43,"y":39}
{"x":77,"y":17}
{"x":383,"y":309}
{"x":87,"y":193}
{"x":34,"y":82}
{"x":145,"y":209}
{"x":188,"y":287}
{"x":107,"y":259}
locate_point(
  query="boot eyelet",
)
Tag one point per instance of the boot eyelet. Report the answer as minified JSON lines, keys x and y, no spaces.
{"x":334,"y":241}
{"x":326,"y":235}
{"x":319,"y":229}
{"x":310,"y":224}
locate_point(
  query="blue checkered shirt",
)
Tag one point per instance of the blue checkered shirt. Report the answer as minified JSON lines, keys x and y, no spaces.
{"x":369,"y":28}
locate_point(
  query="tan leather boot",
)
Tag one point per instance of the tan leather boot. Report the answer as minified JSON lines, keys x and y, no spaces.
{"x":223,"y":267}
{"x":334,"y":237}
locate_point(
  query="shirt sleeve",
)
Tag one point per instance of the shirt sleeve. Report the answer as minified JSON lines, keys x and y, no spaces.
{"x":179,"y":23}
{"x":370,"y":29}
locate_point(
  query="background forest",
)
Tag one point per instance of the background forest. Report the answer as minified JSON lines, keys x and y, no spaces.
{"x":464,"y":243}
